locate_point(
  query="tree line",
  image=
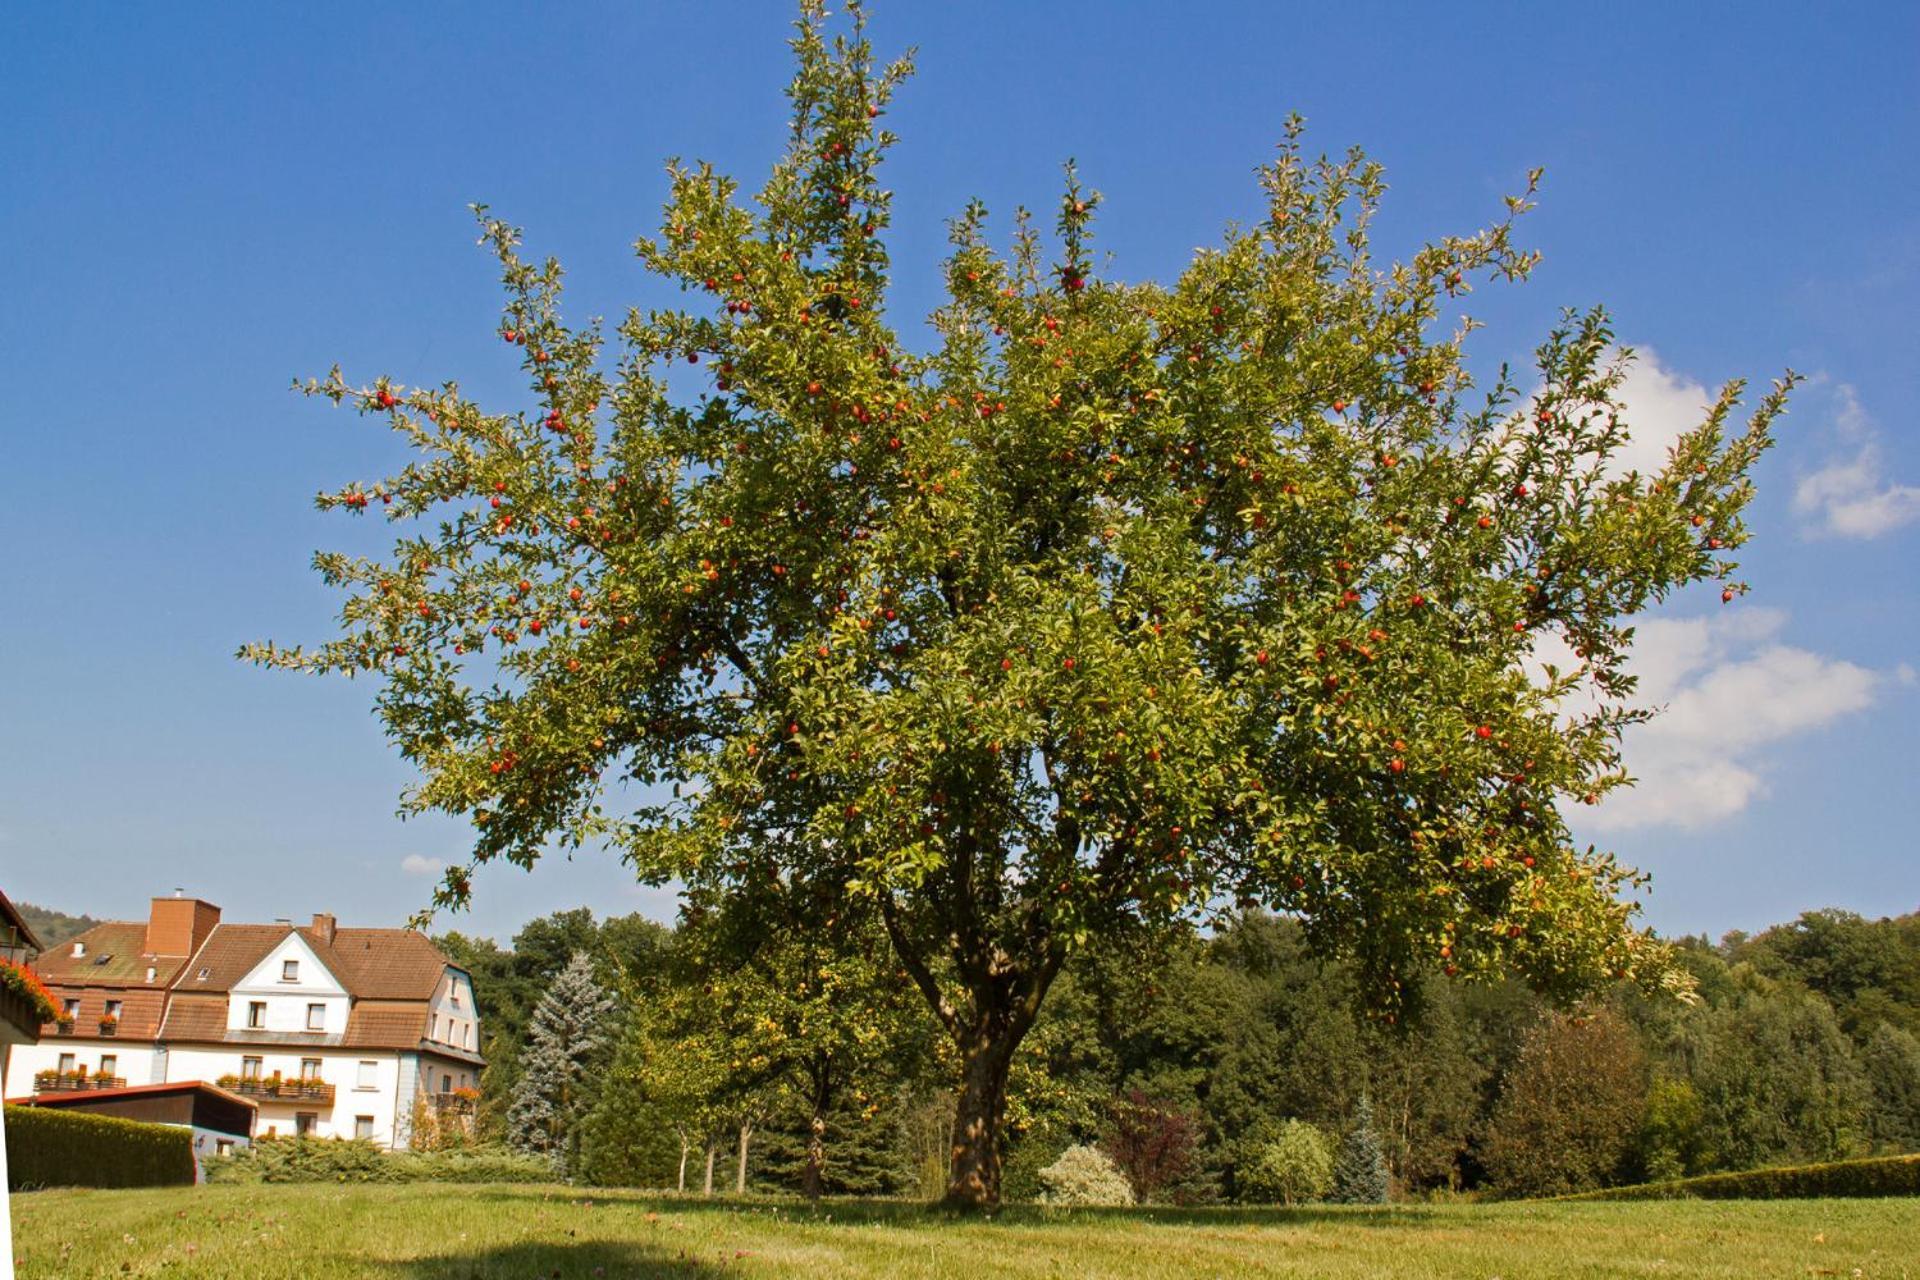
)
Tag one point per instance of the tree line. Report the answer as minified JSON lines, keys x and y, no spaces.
{"x":1231,"y":1067}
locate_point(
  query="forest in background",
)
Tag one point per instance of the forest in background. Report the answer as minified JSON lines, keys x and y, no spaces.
{"x":1193,"y":1065}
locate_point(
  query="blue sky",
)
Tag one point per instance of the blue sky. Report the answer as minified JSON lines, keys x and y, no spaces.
{"x":201,"y":202}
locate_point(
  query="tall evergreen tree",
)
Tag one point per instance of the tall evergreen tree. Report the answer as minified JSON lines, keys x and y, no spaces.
{"x":1360,"y":1168}
{"x":571,"y":1032}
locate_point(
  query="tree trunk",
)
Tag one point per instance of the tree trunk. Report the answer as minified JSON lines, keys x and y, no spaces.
{"x":973,"y":1177}
{"x":813,"y":1177}
{"x":713,"y":1149}
{"x":685,"y":1149}
{"x":740,"y":1173}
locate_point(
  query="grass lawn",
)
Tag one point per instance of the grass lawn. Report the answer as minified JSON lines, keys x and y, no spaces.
{"x":318,"y":1232}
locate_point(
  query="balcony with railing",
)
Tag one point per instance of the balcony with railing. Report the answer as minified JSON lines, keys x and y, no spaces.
{"x":457,"y":1102}
{"x":278,"y":1088}
{"x":74,"y":1082}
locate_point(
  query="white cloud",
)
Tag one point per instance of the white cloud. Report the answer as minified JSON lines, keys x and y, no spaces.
{"x":1659,"y":406}
{"x":1730,"y":690}
{"x":416,"y":865}
{"x":1851,"y":496}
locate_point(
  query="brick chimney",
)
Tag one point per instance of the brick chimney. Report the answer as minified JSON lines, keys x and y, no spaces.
{"x":177,"y":926}
{"x":324,"y":926}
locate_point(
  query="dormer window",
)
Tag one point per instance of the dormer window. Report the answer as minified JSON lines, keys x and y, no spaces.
{"x":79,"y":950}
{"x":289,"y":971}
{"x":71,"y":1007}
{"x":150,"y":972}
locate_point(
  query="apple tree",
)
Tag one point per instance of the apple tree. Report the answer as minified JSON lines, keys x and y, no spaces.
{"x":1117,"y":604}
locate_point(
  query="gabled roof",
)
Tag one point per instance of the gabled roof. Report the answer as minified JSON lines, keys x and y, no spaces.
{"x":372,"y":964}
{"x":121,"y":944}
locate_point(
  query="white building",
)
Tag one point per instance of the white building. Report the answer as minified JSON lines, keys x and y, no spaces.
{"x":333,"y":1032}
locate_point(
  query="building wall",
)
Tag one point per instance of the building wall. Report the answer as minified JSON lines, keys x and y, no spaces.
{"x":452,"y":1019}
{"x":385,"y":1100}
{"x":136,"y":1061}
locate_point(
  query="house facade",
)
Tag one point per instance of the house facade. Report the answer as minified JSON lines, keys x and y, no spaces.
{"x":329,"y":1031}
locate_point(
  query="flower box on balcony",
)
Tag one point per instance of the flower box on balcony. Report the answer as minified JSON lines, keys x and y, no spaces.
{"x":277,"y":1088}
{"x":74,"y":1082}
{"x":109,"y":1026}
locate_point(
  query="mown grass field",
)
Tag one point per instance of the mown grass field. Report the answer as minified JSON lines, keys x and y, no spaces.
{"x":320,"y":1232}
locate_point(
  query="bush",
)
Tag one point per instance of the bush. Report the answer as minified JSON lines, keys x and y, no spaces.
{"x":358,"y":1160}
{"x":1084,"y":1176}
{"x":1569,"y":1109}
{"x":50,"y":1148}
{"x":1152,"y":1143}
{"x":1883,"y":1176}
{"x":1294,"y":1166}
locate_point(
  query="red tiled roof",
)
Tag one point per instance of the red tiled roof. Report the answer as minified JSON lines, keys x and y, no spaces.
{"x":121,"y":944}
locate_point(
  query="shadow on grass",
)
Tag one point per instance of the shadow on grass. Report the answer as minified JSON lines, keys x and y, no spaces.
{"x":910,"y":1213}
{"x":588,"y":1261}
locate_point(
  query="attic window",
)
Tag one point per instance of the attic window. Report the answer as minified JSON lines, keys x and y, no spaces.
{"x":103,"y":958}
{"x":289,"y":971}
{"x":202,"y":975}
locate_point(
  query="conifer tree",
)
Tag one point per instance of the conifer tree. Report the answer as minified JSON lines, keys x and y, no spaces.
{"x":567,"y":1045}
{"x":1120,"y":601}
{"x":1360,"y":1166}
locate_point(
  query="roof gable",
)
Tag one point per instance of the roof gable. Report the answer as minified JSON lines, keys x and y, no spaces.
{"x":316,"y":976}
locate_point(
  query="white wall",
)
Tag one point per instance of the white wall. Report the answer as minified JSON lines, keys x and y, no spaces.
{"x":452,"y":1019}
{"x":136,"y":1063}
{"x":338,"y":1067}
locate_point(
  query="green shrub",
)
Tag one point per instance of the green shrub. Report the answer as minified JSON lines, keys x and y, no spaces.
{"x":358,"y":1160}
{"x":1084,"y":1176}
{"x":1881,"y":1176}
{"x":1295,"y":1166}
{"x":51,"y":1148}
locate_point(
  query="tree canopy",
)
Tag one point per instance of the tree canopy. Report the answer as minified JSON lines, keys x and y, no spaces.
{"x":1122,"y":602}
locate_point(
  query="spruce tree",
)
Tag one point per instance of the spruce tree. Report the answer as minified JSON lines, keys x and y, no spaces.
{"x":570,"y":1033}
{"x":1360,"y":1169}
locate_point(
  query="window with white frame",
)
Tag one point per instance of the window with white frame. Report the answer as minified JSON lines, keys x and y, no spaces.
{"x":365,"y":1079}
{"x":310,"y":1069}
{"x":250,"y":1068}
{"x":316,"y":1017}
{"x":289,"y":971}
{"x":363,"y":1126}
{"x":256,"y":1013}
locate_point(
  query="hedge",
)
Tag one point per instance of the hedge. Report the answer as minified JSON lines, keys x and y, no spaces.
{"x":50,"y":1148}
{"x":359,"y":1160}
{"x":1877,"y":1176}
